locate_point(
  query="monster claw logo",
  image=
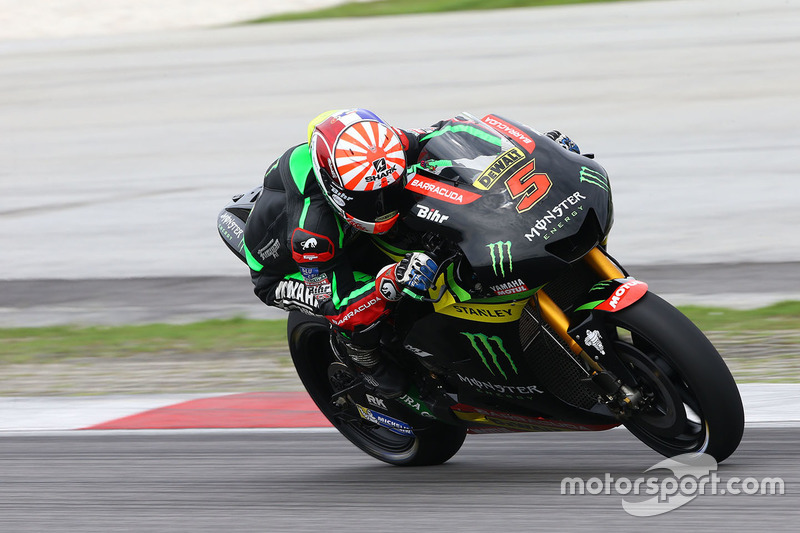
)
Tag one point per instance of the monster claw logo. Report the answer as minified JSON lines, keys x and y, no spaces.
{"x":486,"y":345}
{"x":498,"y":250}
{"x":595,"y":178}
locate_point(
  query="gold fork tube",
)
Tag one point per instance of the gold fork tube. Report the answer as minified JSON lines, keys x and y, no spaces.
{"x":555,"y":317}
{"x":602,"y":265}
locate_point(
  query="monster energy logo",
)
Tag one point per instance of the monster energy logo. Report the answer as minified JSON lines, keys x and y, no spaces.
{"x":595,"y":178}
{"x":498,"y":250}
{"x":486,"y":345}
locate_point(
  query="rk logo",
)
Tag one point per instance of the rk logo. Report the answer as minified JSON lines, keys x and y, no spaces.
{"x":498,"y":251}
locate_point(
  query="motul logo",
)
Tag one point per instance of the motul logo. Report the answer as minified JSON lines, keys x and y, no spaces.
{"x":619,"y":293}
{"x":626,"y":294}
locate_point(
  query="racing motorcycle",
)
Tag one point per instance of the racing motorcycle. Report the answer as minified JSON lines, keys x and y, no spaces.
{"x":530,"y":326}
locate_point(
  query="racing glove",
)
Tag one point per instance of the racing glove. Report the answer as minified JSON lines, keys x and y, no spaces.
{"x":411,"y":276}
{"x":564,"y":141}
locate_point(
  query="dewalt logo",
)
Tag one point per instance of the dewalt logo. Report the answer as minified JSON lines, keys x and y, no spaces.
{"x":498,"y":252}
{"x":500,"y":167}
{"x":490,"y":346}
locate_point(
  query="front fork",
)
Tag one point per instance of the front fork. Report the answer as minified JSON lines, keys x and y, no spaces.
{"x":608,"y":374}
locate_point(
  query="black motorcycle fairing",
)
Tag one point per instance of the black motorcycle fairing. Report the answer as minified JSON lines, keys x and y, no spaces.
{"x":457,"y":191}
{"x":484,"y":364}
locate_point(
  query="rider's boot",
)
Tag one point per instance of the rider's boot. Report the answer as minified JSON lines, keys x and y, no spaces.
{"x":380,"y":375}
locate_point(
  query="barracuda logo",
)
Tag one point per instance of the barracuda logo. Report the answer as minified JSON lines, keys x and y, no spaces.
{"x":498,"y":251}
{"x":595,"y":178}
{"x":486,"y":345}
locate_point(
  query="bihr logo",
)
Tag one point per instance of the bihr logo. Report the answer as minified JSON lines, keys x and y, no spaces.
{"x":490,"y":346}
{"x":431,"y":214}
{"x":498,"y":252}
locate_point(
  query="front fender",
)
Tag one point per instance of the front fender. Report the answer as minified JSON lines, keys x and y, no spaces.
{"x":613,"y":294}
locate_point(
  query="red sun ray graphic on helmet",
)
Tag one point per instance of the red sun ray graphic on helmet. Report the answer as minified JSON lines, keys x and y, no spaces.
{"x":369,"y":156}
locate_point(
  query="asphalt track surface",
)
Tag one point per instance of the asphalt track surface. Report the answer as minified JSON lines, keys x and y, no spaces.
{"x":275,"y":481}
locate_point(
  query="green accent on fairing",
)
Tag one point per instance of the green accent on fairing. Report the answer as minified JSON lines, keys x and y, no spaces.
{"x":487,"y":345}
{"x":306,"y":205}
{"x":589,"y":305}
{"x":360,"y":277}
{"x":600,"y":285}
{"x":499,"y":245}
{"x":394,"y":249}
{"x":411,"y":294}
{"x":472,"y":130}
{"x":595,"y":178}
{"x":300,"y":165}
{"x":392,"y":252}
{"x":461,"y":294}
{"x":252,"y":262}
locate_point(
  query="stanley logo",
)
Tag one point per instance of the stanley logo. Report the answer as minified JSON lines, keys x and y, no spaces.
{"x":500,"y":167}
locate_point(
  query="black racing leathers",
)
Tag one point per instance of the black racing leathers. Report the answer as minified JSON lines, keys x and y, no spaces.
{"x":302,"y":255}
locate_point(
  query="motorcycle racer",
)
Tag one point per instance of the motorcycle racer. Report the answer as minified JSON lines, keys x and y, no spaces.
{"x":303,"y":239}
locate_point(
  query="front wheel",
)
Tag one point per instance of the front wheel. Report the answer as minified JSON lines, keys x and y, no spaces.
{"x":691,"y":403}
{"x":432,"y":442}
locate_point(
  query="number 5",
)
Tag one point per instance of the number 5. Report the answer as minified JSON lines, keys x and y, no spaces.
{"x":534,"y":186}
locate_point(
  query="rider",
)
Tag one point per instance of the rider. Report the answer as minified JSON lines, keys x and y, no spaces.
{"x":301,"y":238}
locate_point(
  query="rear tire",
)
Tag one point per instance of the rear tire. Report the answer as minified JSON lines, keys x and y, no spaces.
{"x":695,"y":404}
{"x":433,"y":443}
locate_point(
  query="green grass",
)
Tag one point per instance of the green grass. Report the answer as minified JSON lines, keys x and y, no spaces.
{"x":783,"y":316}
{"x":405,"y":7}
{"x":49,"y":344}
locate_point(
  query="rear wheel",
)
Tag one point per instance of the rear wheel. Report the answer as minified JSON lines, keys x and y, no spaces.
{"x":691,"y":402}
{"x":433,"y":442}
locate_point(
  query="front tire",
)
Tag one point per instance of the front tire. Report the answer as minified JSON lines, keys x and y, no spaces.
{"x":433,"y":442}
{"x":693,"y":402}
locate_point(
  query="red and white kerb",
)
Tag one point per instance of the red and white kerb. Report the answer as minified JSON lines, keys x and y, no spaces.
{"x":368,"y":155}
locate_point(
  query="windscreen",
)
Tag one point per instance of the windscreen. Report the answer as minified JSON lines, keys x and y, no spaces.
{"x":461,"y":150}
